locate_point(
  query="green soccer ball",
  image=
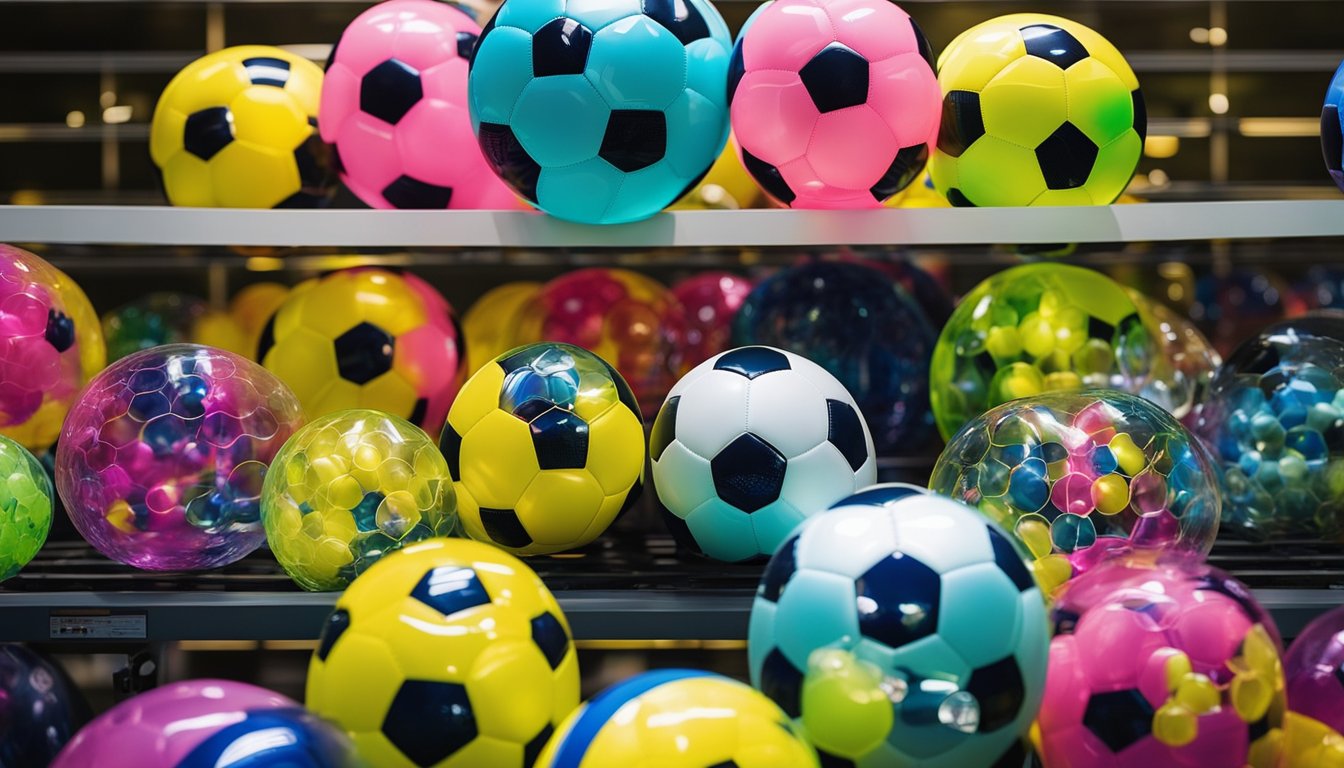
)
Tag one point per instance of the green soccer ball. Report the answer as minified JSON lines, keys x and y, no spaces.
{"x":25,"y":507}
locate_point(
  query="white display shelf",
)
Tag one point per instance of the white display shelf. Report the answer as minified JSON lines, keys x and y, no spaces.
{"x":1147,"y":222}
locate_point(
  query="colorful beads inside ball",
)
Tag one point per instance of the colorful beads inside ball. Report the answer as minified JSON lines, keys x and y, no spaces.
{"x":50,"y":345}
{"x":161,"y":461}
{"x":25,"y":507}
{"x":347,"y":489}
{"x":1081,"y":476}
{"x":1315,"y":724}
{"x":1274,"y":418}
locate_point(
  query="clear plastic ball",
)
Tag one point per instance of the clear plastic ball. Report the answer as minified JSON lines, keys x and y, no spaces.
{"x":162,"y":459}
{"x":1315,"y":722}
{"x":1080,"y":477}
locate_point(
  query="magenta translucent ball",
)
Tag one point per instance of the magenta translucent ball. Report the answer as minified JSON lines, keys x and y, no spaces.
{"x":709,"y":301}
{"x":1312,"y":668}
{"x":1168,"y":664}
{"x":394,"y":107}
{"x":834,"y":105}
{"x":161,"y":727}
{"x":161,"y":460}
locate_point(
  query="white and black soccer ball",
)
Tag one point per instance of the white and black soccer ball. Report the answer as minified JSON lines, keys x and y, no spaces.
{"x":751,"y":442}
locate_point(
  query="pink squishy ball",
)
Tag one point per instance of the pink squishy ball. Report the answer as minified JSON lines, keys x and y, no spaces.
{"x":834,"y":104}
{"x":394,"y":108}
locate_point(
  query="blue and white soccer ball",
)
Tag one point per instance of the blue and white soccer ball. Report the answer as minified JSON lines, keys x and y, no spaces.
{"x":601,"y":112}
{"x":751,"y":442}
{"x":934,"y":595}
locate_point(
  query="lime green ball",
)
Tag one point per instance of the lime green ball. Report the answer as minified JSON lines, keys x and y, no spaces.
{"x":349,"y":488}
{"x":845,"y":710}
{"x":25,"y":507}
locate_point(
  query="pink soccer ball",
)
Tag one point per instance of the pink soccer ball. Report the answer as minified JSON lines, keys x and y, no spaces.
{"x":834,"y":104}
{"x":394,"y":108}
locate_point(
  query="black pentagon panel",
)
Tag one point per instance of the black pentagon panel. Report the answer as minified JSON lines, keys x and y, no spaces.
{"x":1118,"y":718}
{"x":1141,"y":114}
{"x":508,"y":159}
{"x":450,"y":445}
{"x":1332,"y":138}
{"x":504,"y":527}
{"x":883,"y":496}
{"x":904,"y":169}
{"x":963,"y":122}
{"x":389,"y":90}
{"x":782,"y":683}
{"x":409,"y":193}
{"x":364,"y":353}
{"x":635,"y":139}
{"x":560,"y":48}
{"x":60,"y":333}
{"x":429,"y":721}
{"x":1000,"y":692}
{"x":898,"y":601}
{"x":768,"y":177}
{"x":1009,"y":561}
{"x":264,"y":70}
{"x":664,"y":428}
{"x":450,"y":589}
{"x":845,"y":432}
{"x":748,"y":473}
{"x":532,"y":750}
{"x":267,"y":339}
{"x":560,"y":439}
{"x":779,"y":570}
{"x":1056,"y":45}
{"x":925,"y":50}
{"x":827,"y":760}
{"x":725,"y":764}
{"x":958,"y":199}
{"x":207,"y":132}
{"x":836,"y":78}
{"x":336,"y":624}
{"x":466,"y":44}
{"x":678,"y":17}
{"x":752,"y":362}
{"x":1066,"y":158}
{"x":531,"y":409}
{"x":550,"y":636}
{"x":737,"y":68}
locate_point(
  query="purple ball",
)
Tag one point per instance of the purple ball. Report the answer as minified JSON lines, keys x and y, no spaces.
{"x":39,"y":709}
{"x":161,"y":460}
{"x":1314,"y":670}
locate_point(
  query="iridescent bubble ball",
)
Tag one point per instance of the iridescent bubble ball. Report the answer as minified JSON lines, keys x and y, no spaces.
{"x":1274,"y":419}
{"x":25,"y":507}
{"x":351,"y":487}
{"x":1081,"y":477}
{"x":161,"y":460}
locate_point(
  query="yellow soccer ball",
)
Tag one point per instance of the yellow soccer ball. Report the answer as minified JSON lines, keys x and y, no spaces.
{"x":546,"y":447}
{"x":238,"y":129}
{"x":446,"y":654}
{"x":678,"y":718}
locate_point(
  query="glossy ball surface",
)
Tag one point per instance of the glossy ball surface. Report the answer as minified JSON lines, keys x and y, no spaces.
{"x":347,"y":489}
{"x":1037,"y":110}
{"x":1081,"y":477}
{"x":161,"y":461}
{"x":863,"y":329}
{"x":618,"y":315}
{"x":490,"y":326}
{"x":601,"y":113}
{"x":50,"y":345}
{"x":1190,"y":357}
{"x":749,"y":444}
{"x":40,"y":710}
{"x":367,"y":338}
{"x":677,"y":717}
{"x":1315,"y":721}
{"x":394,"y":108}
{"x":546,"y":447}
{"x":932,"y":594}
{"x":1274,"y":420}
{"x":446,"y":654}
{"x":833,"y":106}
{"x":1173,"y":664}
{"x":1039,"y":328}
{"x":26,"y":504}
{"x":1332,"y":128}
{"x":709,"y":301}
{"x":237,"y":128}
{"x":153,"y":320}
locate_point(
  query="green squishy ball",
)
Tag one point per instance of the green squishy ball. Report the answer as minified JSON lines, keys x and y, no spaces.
{"x":25,"y":507}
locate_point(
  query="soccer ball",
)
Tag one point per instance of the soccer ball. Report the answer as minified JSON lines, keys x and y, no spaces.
{"x":1332,"y":130}
{"x":490,"y":325}
{"x":367,"y":338}
{"x":751,"y":442}
{"x":935,"y":596}
{"x":678,"y":717}
{"x":601,"y":113}
{"x":546,"y":447}
{"x":1037,"y":110}
{"x":446,"y":654}
{"x":238,"y":129}
{"x":833,"y":106}
{"x":394,"y":109}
